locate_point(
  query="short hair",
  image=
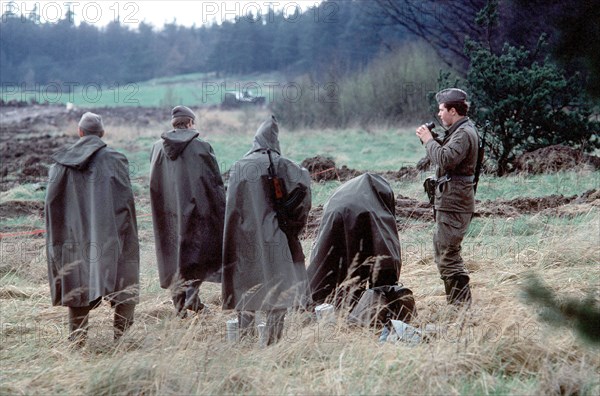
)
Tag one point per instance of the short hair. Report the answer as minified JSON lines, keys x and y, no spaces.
{"x":87,"y":132}
{"x":181,"y":122}
{"x":91,"y":124}
{"x":460,"y":107}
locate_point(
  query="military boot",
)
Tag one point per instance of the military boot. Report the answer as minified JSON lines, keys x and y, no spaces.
{"x":123,"y":318}
{"x":275,"y":322}
{"x":448,"y":288}
{"x":246,"y":323}
{"x":178,"y":296}
{"x":78,"y":325}
{"x":192,"y":299}
{"x":460,"y":292}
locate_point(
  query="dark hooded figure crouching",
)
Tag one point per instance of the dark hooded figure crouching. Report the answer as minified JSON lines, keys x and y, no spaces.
{"x":357,"y":242}
{"x":268,"y":200}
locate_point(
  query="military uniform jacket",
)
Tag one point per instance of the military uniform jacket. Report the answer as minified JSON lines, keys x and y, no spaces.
{"x":358,"y":222}
{"x":188,"y":208}
{"x":456,"y":156}
{"x":263,"y":268}
{"x":91,"y":241}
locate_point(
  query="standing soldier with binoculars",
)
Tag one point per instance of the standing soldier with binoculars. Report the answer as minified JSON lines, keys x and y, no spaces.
{"x":455,"y":156}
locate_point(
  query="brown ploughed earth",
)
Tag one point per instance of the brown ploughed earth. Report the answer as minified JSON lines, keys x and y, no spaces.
{"x":26,"y":152}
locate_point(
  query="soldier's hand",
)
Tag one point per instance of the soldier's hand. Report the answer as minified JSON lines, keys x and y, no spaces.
{"x":424,"y":134}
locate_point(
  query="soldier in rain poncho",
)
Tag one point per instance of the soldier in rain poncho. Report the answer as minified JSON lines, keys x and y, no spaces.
{"x":358,"y":223}
{"x":188,"y":208}
{"x":92,"y":242}
{"x":263,"y":262}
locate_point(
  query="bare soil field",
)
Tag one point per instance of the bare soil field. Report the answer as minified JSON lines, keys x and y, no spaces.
{"x":26,"y":158}
{"x":30,"y":134}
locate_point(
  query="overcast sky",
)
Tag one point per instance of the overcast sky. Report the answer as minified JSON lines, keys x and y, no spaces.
{"x":157,"y":13}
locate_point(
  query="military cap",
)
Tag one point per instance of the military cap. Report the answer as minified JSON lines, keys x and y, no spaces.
{"x":91,"y":122}
{"x":451,"y":95}
{"x":182,"y":111}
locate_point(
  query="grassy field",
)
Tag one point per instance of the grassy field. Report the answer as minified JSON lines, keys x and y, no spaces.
{"x":499,"y":347}
{"x":196,"y":89}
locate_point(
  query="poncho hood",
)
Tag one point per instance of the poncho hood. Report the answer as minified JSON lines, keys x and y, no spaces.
{"x":78,"y":156}
{"x":267,"y":137}
{"x":176,"y":141}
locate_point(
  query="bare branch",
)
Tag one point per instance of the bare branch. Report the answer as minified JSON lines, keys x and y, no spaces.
{"x":443,"y":24}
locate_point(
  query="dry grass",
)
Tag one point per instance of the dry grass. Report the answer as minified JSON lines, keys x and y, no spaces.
{"x":232,"y":122}
{"x":498,"y":346}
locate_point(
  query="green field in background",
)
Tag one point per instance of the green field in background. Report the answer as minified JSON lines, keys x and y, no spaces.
{"x":195,"y":89}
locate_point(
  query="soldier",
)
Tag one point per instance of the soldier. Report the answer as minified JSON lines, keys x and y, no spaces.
{"x":268,"y":200}
{"x":92,"y":241}
{"x":358,"y":223}
{"x":188,"y":208}
{"x":456,"y":159}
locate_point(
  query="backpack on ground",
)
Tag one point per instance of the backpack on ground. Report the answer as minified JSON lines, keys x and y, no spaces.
{"x":383,"y":303}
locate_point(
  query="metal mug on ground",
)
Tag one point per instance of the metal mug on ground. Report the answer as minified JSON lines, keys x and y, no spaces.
{"x":262,"y":334}
{"x":233,"y":330}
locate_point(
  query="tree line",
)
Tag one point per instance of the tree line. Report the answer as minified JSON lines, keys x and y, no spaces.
{"x":526,"y":64}
{"x":308,"y":41}
{"x":335,"y":37}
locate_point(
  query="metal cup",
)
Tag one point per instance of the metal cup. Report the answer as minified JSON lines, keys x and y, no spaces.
{"x":233,"y":330}
{"x":262,"y":334}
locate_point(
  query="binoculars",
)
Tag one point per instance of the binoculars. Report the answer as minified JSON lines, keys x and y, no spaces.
{"x":430,"y":126}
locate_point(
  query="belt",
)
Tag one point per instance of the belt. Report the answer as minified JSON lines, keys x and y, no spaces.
{"x":448,"y":177}
{"x":468,"y":179}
